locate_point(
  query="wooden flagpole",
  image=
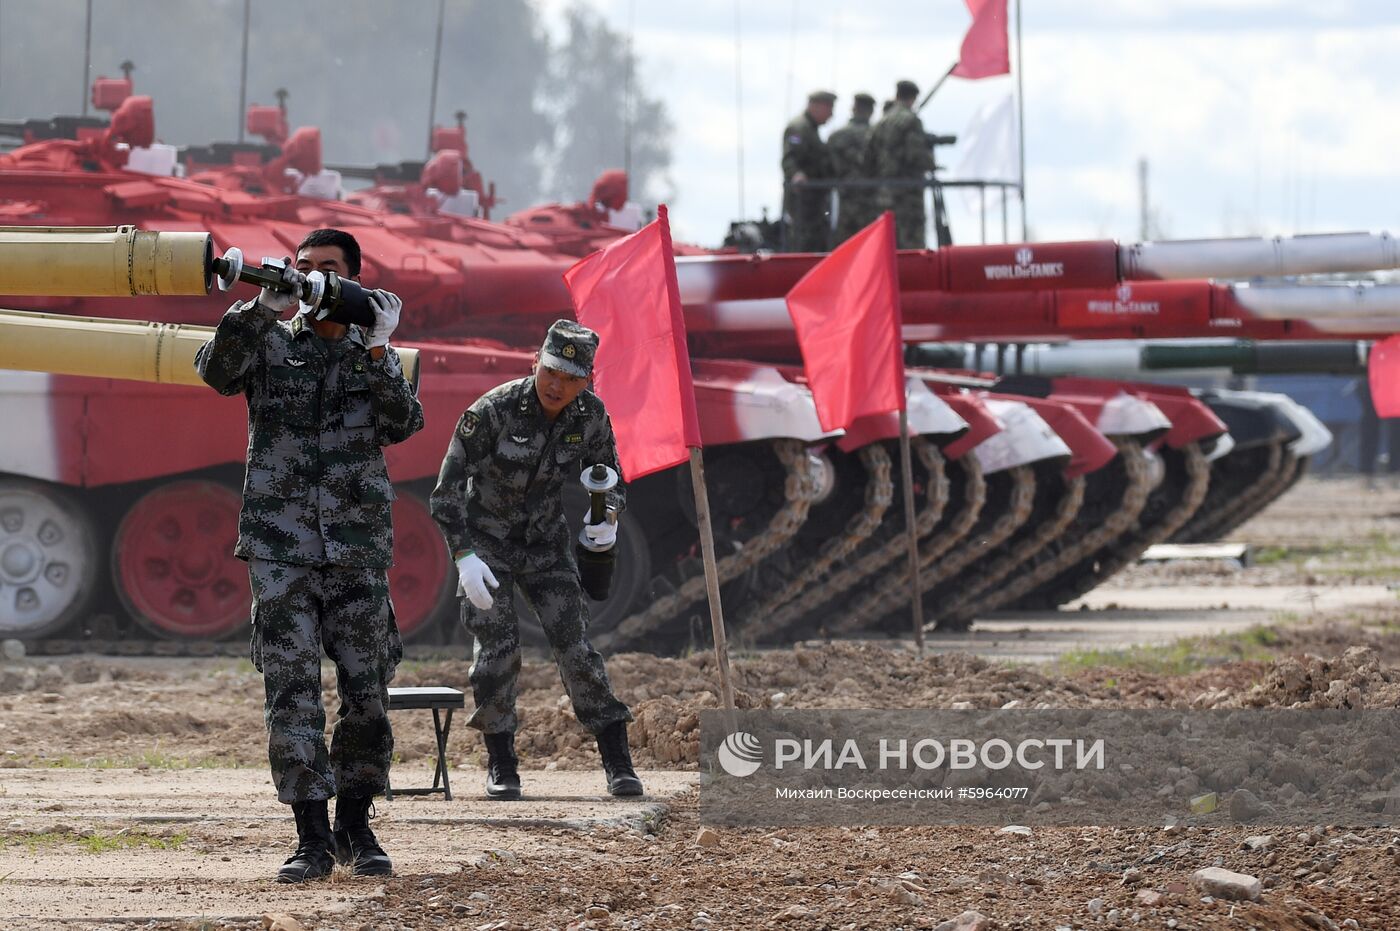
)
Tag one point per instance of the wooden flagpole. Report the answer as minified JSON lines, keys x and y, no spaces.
{"x":916,"y":589}
{"x":707,"y":551}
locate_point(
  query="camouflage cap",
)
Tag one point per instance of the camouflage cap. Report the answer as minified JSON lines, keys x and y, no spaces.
{"x":569,"y":348}
{"x":821,"y":97}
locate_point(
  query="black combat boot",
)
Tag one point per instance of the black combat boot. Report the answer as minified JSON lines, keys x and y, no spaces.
{"x":355,"y":844}
{"x":617,"y":760}
{"x":502,"y":776}
{"x":313,"y":858}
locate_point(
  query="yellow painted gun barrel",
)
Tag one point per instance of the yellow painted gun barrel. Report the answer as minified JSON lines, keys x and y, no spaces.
{"x":103,"y":261}
{"x":97,"y":347}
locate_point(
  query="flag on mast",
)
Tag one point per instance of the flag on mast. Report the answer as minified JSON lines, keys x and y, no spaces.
{"x":628,"y":293}
{"x":985,"y":49}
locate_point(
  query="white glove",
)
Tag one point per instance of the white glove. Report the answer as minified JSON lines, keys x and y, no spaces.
{"x":282,"y":301}
{"x":473,"y":576}
{"x":386,"y":306}
{"x":601,"y":535}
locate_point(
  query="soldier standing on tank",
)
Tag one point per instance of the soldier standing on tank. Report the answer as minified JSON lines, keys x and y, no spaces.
{"x":847,"y":147}
{"x":500,"y":503}
{"x":900,"y":151}
{"x":323,"y":399}
{"x":805,"y":158}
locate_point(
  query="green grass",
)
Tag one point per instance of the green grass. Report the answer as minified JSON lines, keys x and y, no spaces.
{"x":1375,"y":551}
{"x":96,"y":843}
{"x":150,"y":759}
{"x":1179,"y":657}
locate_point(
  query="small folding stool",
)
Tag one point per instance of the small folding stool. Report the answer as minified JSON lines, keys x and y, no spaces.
{"x":438,"y":698}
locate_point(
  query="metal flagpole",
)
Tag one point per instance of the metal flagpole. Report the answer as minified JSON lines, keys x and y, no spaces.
{"x":243,"y":74}
{"x":1021,"y":123}
{"x":916,"y":589}
{"x":437,"y":59}
{"x":707,"y":551}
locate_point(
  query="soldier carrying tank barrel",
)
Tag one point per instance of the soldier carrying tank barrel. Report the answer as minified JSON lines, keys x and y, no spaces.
{"x":324,"y":396}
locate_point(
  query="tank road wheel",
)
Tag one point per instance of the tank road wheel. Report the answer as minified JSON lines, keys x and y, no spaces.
{"x":48,"y":558}
{"x":173,"y":564}
{"x":423,"y":579}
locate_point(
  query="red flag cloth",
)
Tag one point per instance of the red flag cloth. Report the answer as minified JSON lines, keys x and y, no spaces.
{"x":984,"y":49}
{"x":846,"y":313}
{"x":628,"y":294}
{"x":1384,"y":372}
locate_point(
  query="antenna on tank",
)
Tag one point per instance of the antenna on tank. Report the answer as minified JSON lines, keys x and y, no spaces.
{"x":437,"y":60}
{"x":243,"y":71}
{"x":87,"y":57}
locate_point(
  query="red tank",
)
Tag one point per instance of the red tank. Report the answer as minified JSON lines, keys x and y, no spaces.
{"x":146,"y":477}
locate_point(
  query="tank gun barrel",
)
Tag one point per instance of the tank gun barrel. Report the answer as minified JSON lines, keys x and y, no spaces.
{"x":98,"y":347}
{"x":1133,"y":358}
{"x":1260,"y":257}
{"x":115,"y":261}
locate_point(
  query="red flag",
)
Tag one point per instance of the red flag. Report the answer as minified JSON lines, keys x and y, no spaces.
{"x":1384,"y":371}
{"x":984,"y":48}
{"x":628,"y":294}
{"x":846,"y":313}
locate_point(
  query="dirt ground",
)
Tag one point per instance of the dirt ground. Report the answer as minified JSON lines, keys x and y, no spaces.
{"x":133,"y":791}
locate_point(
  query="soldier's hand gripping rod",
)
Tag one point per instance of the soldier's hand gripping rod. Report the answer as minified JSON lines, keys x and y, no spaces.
{"x":334,"y":298}
{"x":597,"y":480}
{"x":596,"y":563}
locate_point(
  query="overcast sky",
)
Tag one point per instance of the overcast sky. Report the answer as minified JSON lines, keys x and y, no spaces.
{"x":1270,"y":116}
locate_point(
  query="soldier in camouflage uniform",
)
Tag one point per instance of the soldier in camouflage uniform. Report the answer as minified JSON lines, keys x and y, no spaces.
{"x":499,"y":501}
{"x":899,"y":150}
{"x":856,"y":208}
{"x":805,"y":158}
{"x":323,"y":399}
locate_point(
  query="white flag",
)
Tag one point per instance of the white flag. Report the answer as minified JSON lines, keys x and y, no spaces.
{"x":989,"y":150}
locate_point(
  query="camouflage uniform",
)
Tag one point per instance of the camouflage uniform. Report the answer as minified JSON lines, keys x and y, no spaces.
{"x":899,"y":149}
{"x":805,"y":211}
{"x":847,"y":147}
{"x":315,"y":529}
{"x":500,"y":495}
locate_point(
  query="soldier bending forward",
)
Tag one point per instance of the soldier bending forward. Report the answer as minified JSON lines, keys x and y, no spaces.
{"x":323,"y":398}
{"x":500,"y":503}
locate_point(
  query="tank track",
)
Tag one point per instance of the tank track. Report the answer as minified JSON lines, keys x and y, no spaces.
{"x":1288,"y":476}
{"x":892,"y":586}
{"x":879,"y":494}
{"x":1235,"y":479}
{"x":805,"y":607}
{"x":1011,"y":509}
{"x":1121,"y":515}
{"x":956,"y":615}
{"x":1167,"y":508}
{"x":646,"y":629}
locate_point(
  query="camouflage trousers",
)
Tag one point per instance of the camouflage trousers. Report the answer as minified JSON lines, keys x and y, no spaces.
{"x":554,"y":595}
{"x":909,"y":221}
{"x":857,"y":211}
{"x":297,"y":612}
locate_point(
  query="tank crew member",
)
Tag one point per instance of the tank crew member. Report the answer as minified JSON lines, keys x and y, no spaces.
{"x":499,"y":501}
{"x":805,"y":158}
{"x":899,"y":150}
{"x":847,"y":145}
{"x":323,"y":399}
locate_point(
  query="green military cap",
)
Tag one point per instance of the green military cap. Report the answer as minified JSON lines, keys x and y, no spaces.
{"x":569,"y":347}
{"x":864,"y":100}
{"x":821,"y":97}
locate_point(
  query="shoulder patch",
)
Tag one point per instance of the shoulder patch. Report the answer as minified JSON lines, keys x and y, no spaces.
{"x":794,"y":139}
{"x":470,"y":421}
